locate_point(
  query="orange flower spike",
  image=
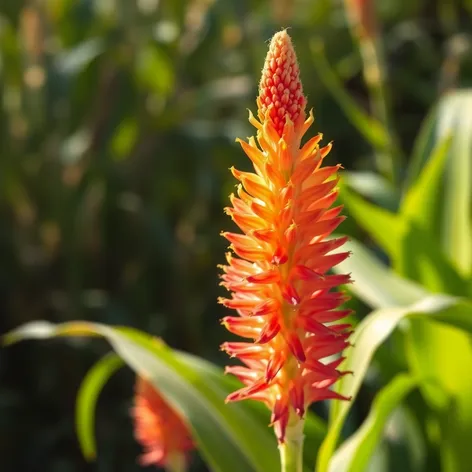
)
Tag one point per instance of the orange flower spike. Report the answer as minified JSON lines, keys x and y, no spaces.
{"x":159,"y":429}
{"x":279,"y":283}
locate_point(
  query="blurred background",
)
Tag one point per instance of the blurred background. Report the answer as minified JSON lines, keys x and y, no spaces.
{"x":117,"y":128}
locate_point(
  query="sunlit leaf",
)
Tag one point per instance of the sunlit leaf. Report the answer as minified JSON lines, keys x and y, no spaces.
{"x":451,"y":117}
{"x":421,"y":202}
{"x":355,"y":453}
{"x":87,"y":397}
{"x":421,"y":259}
{"x":370,"y":333}
{"x":374,"y":187}
{"x":227,"y":436}
{"x":374,"y":282}
{"x":385,"y":227}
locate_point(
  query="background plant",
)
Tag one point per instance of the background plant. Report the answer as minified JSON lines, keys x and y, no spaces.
{"x":117,"y":126}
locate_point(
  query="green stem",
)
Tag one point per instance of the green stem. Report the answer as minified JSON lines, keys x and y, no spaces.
{"x":291,"y":451}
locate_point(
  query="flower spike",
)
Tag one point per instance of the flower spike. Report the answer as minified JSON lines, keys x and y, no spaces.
{"x":288,"y":310}
{"x":162,"y":433}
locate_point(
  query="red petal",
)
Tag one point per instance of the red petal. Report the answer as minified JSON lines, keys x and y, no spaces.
{"x":280,"y":256}
{"x":264,"y":308}
{"x":305,"y":273}
{"x":269,"y":331}
{"x":297,"y":398}
{"x":276,"y":362}
{"x":290,"y":295}
{"x":268,"y":277}
{"x":247,"y":392}
{"x":295,"y":346}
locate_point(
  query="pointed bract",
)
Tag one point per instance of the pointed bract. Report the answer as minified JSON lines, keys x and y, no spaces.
{"x":280,"y":283}
{"x":158,"y":428}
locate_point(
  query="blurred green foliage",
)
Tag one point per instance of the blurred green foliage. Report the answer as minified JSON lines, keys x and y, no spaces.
{"x":117,"y":127}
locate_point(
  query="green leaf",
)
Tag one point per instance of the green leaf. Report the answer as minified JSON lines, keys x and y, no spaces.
{"x":444,"y":354}
{"x":385,"y":227}
{"x":370,"y":333}
{"x":374,"y":187}
{"x":229,"y":438}
{"x":374,"y":282}
{"x":422,"y":200}
{"x":451,"y":117}
{"x":356,"y":452}
{"x":457,"y":223}
{"x":87,"y":397}
{"x":435,"y":348}
{"x":421,"y":259}
{"x":315,"y":427}
{"x":422,"y":148}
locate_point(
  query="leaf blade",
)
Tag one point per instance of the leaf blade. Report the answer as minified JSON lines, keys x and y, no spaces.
{"x":374,"y":282}
{"x":355,"y":452}
{"x":226,"y":435}
{"x":87,"y":397}
{"x":369,"y":334}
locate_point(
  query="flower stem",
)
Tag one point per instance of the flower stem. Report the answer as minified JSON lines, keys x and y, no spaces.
{"x":291,"y":451}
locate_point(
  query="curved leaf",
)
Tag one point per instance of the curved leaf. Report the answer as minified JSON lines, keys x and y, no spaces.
{"x":370,"y":333}
{"x":355,"y":453}
{"x":87,"y":396}
{"x":374,"y":187}
{"x":421,"y":201}
{"x":385,"y":227}
{"x":422,"y":259}
{"x":451,"y":117}
{"x":229,"y":438}
{"x":374,"y":282}
{"x":315,"y":427}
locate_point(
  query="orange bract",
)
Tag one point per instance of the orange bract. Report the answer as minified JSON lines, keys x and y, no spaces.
{"x":158,"y":428}
{"x":279,"y":282}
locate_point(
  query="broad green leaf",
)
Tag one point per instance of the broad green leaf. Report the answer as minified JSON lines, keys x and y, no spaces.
{"x":422,"y":201}
{"x":385,"y":227}
{"x":451,"y":117}
{"x":370,"y":333}
{"x":87,"y":397}
{"x":315,"y":427}
{"x":422,"y":148}
{"x":227,"y":436}
{"x":355,"y":453}
{"x":444,"y":354}
{"x":457,"y":223}
{"x":421,"y":259}
{"x":374,"y":282}
{"x":374,"y":187}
